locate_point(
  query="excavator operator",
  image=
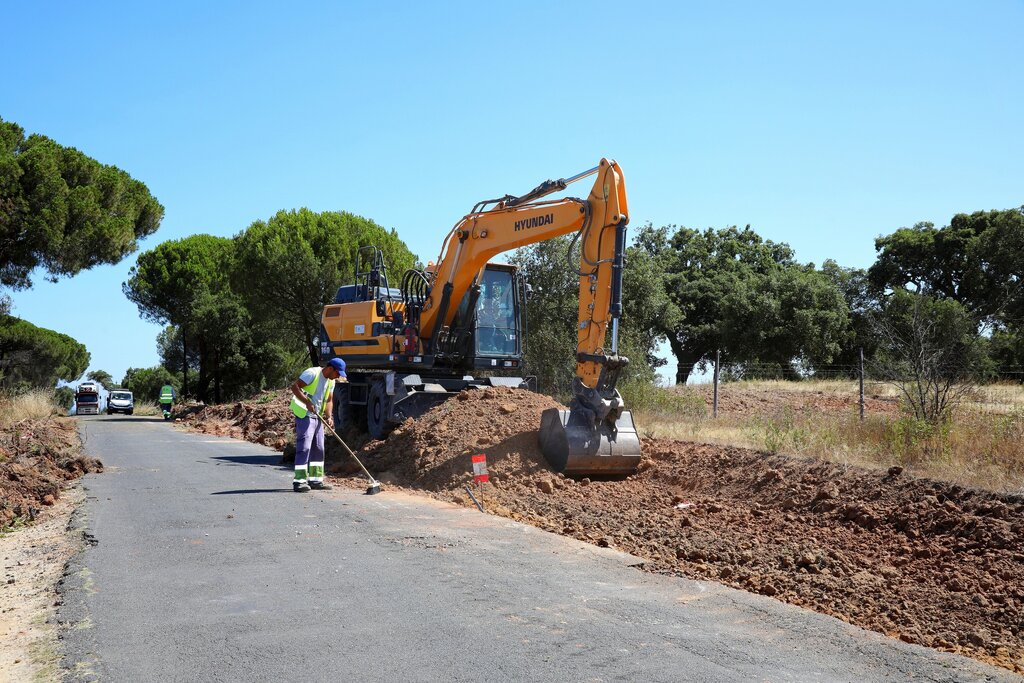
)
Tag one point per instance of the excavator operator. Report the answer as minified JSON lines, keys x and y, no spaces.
{"x":495,"y":322}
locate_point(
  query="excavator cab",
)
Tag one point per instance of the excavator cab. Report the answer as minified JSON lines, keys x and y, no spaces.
{"x":488,"y":329}
{"x":498,"y":319}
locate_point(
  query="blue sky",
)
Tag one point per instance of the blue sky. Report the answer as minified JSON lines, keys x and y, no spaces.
{"x":822,"y":125}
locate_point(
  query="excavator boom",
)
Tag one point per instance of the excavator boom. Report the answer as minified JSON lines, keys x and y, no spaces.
{"x":596,"y":435}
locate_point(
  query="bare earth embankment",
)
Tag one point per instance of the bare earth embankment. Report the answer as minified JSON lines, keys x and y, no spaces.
{"x":925,"y":561}
{"x":38,"y":459}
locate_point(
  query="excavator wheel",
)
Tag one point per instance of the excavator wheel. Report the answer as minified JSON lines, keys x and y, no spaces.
{"x":343,"y":410}
{"x":378,"y":407}
{"x":574,"y":446}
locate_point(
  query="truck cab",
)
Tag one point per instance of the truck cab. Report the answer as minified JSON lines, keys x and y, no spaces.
{"x":87,"y":399}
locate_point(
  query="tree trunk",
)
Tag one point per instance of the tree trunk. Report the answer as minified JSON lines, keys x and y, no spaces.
{"x":184,"y":365}
{"x":216,"y":376}
{"x":685,"y":360}
{"x":683,"y":372}
{"x":203,"y":379}
{"x":314,"y":357}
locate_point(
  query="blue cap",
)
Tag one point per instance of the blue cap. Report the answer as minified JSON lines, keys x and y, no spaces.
{"x":339,"y":365}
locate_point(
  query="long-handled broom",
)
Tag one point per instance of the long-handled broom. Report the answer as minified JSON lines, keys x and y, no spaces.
{"x":374,"y":486}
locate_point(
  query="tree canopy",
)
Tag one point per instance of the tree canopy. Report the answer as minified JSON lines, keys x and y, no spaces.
{"x":145,"y":383}
{"x":975,"y":260}
{"x":168,"y":282}
{"x":64,"y":397}
{"x":102,"y":377}
{"x":301,"y":258}
{"x":863,"y":303}
{"x":64,"y":211}
{"x":239,"y":310}
{"x":38,"y":357}
{"x":733,"y":291}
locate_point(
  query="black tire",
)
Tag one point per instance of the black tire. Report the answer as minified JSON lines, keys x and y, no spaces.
{"x":341,"y":407}
{"x":131,"y":411}
{"x":378,"y":405}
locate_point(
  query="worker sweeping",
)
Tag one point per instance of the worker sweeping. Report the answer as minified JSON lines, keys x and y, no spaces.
{"x":312,"y":396}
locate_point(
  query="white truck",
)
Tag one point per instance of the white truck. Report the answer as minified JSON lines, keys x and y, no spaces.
{"x":120,"y":401}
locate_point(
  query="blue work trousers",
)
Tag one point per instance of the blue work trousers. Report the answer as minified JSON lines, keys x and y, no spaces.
{"x":309,"y":449}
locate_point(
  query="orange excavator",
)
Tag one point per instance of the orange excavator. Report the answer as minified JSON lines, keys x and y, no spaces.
{"x":410,"y":347}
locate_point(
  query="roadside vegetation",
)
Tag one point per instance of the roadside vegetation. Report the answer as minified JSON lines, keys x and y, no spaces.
{"x":981,"y":444}
{"x":35,"y":404}
{"x":39,"y":451}
{"x":226,"y":337}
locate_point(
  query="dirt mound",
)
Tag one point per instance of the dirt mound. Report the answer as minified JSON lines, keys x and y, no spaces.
{"x":924,"y":561}
{"x":434,"y":451}
{"x":36,"y":458}
{"x":265,"y":420}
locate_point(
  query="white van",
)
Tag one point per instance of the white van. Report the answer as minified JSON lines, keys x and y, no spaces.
{"x":120,"y":401}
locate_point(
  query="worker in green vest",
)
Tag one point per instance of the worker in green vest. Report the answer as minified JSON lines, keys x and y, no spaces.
{"x":312,"y":403}
{"x":167,"y":396}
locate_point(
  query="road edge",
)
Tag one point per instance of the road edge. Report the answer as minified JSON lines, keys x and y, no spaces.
{"x":72,"y":614}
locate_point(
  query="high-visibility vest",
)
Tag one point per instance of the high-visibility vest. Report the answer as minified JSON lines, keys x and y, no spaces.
{"x":310,"y":389}
{"x":166,"y":394}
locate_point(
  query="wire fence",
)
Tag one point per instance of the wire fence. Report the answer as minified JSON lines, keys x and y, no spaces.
{"x":859,"y":384}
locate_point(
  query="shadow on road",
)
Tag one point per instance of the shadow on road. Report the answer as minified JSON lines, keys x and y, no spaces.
{"x":274,"y":459}
{"x":238,"y":492}
{"x":121,"y":418}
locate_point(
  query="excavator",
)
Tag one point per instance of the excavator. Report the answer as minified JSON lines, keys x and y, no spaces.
{"x":411,"y":347}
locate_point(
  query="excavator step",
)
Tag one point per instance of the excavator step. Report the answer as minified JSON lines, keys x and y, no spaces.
{"x":575,"y":447}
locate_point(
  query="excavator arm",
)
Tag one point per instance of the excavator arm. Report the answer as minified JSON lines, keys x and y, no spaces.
{"x":596,"y":436}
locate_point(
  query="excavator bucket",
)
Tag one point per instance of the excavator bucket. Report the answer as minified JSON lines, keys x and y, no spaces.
{"x":575,"y":447}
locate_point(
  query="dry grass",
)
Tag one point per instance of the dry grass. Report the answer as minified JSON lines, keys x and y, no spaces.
{"x":35,"y":404}
{"x":1002,"y":397}
{"x":147,"y":409}
{"x":982,"y":446}
{"x":811,"y":386}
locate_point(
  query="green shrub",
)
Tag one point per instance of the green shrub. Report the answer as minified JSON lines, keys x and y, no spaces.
{"x":913,"y":440}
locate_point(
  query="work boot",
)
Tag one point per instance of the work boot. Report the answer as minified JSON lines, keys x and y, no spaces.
{"x":300,"y":487}
{"x":320,"y":485}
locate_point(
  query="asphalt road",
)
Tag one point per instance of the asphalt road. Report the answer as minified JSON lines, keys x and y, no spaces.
{"x":206,"y":567}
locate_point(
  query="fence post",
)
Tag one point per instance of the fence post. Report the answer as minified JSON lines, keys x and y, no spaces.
{"x":861,"y":374}
{"x":714,"y":403}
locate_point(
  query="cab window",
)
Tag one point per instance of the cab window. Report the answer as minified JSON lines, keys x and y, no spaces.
{"x":495,"y":315}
